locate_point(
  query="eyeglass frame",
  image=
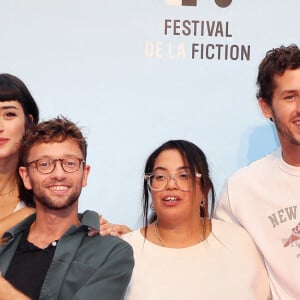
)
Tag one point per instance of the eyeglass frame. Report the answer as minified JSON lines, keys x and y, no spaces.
{"x":55,"y":160}
{"x":147,"y":177}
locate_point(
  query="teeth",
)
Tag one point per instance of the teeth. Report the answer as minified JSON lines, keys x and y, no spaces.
{"x":59,"y":188}
{"x":170,"y":199}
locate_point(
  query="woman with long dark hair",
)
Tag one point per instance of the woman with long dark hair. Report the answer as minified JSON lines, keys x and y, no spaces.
{"x":18,"y":111}
{"x":181,"y":252}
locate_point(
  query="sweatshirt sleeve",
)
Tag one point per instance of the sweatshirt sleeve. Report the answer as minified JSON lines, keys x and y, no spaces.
{"x":223,"y":210}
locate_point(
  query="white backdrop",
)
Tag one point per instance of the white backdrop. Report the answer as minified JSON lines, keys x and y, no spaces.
{"x":128,"y":76}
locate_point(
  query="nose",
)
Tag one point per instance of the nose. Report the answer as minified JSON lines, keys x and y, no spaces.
{"x":58,"y":171}
{"x":171,"y":183}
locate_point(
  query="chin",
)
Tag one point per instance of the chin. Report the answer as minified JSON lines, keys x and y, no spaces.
{"x":56,"y":205}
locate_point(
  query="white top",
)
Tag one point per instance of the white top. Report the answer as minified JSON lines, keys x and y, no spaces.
{"x":225,"y":266}
{"x":264,"y":198}
{"x":20,"y":205}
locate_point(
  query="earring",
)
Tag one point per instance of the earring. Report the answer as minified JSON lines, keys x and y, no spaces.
{"x":203,"y":203}
{"x":151,"y":206}
{"x":203,"y":208}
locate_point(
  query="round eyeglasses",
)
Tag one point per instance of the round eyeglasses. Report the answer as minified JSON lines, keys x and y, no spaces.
{"x":47,"y":165}
{"x":159,"y":181}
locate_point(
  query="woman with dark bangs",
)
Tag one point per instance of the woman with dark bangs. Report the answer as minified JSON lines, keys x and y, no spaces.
{"x":18,"y":111}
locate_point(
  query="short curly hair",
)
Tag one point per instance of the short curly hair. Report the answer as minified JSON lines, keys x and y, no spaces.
{"x":276,"y":62}
{"x":58,"y":130}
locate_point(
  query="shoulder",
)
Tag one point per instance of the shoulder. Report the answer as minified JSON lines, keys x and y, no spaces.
{"x":222,"y":227}
{"x":133,"y":238}
{"x":97,"y":251}
{"x":103,"y":244}
{"x":258,"y":167}
{"x":132,"y":235}
{"x":20,"y":227}
{"x":231,"y":234}
{"x":108,"y":243}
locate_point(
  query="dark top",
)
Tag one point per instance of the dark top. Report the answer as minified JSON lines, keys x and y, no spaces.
{"x":29,"y":267}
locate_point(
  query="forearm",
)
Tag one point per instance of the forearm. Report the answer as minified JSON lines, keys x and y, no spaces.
{"x":14,"y":218}
{"x":8,"y":292}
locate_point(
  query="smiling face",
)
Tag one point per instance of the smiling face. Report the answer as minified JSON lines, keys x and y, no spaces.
{"x":59,"y":189}
{"x":172,"y":203}
{"x":12,"y":127}
{"x":285,"y":108}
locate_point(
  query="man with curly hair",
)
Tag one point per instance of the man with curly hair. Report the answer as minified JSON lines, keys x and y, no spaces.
{"x":264,"y":197}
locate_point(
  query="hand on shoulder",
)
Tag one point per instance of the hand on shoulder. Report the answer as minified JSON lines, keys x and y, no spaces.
{"x":107,"y":228}
{"x":113,"y":229}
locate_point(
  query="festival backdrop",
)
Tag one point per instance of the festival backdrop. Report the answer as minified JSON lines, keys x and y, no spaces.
{"x":137,"y":73}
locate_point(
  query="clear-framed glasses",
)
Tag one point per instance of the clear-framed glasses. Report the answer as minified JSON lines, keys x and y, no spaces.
{"x":47,"y":165}
{"x":159,"y":181}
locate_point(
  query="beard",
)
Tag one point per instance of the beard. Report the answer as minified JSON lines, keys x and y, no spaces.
{"x":52,"y":203}
{"x":285,"y":132}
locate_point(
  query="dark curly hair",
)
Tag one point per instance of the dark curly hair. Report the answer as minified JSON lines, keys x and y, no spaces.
{"x":276,"y":62}
{"x":58,"y":130}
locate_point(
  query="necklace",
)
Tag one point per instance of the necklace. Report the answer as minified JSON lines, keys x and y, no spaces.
{"x":157,"y":235}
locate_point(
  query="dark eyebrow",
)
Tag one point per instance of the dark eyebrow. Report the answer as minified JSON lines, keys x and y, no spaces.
{"x":159,"y":169}
{"x":183,"y":168}
{"x":8,"y":107}
{"x":289,"y":92}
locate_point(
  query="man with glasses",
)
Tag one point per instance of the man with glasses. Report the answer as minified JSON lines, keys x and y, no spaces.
{"x":50,"y":254}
